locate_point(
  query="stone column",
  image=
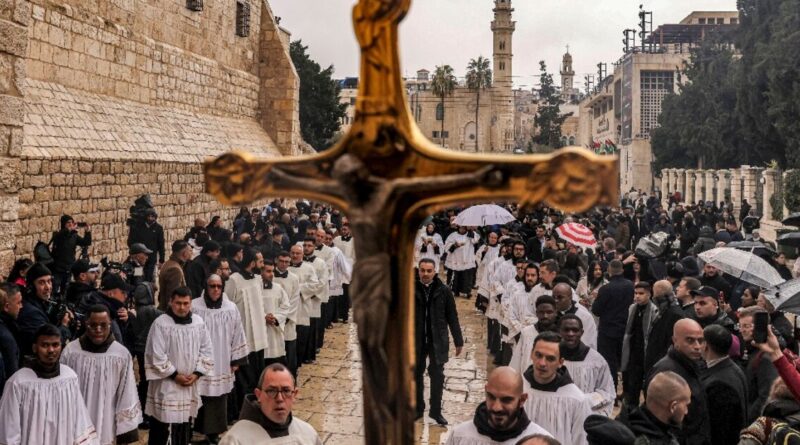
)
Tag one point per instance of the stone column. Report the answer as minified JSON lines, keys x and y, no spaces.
{"x":736,"y":190}
{"x":690,"y":180}
{"x":14,"y":18}
{"x":750,"y":179}
{"x":664,"y":187}
{"x":680,"y":182}
{"x":699,"y":181}
{"x":771,"y":185}
{"x":710,"y":185}
{"x":783,"y":186}
{"x":670,"y":184}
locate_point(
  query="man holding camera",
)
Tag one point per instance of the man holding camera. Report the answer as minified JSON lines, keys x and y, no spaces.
{"x":37,"y":308}
{"x":151,"y":235}
{"x":64,"y":243}
{"x":113,"y":294}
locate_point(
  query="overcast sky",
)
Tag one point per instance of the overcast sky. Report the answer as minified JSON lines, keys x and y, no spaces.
{"x":454,"y":31}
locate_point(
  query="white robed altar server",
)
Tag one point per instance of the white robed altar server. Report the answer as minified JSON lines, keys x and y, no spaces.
{"x":588,"y":369}
{"x":554,"y":401}
{"x":545,"y":321}
{"x":429,"y":244}
{"x":276,"y":311}
{"x":566,"y":304}
{"x":105,"y":372}
{"x":178,"y":352}
{"x":42,"y":402}
{"x":244,"y":290}
{"x":291,"y":284}
{"x":500,"y":419}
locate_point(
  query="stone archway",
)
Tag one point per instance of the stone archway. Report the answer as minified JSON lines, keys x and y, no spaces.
{"x":470,"y":136}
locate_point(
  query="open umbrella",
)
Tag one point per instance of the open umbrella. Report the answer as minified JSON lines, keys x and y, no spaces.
{"x":790,"y":239}
{"x":786,"y":296}
{"x":484,"y":215}
{"x":755,"y":247}
{"x":577,"y":234}
{"x":792,"y":220}
{"x":746,"y":266}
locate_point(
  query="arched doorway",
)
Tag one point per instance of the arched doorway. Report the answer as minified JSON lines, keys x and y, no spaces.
{"x":470,"y":136}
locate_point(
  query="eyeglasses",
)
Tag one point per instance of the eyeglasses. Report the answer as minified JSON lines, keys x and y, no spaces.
{"x":215,"y":286}
{"x":287,"y":393}
{"x":98,"y":326}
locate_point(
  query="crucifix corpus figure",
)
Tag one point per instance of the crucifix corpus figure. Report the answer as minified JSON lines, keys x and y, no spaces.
{"x":386,"y":177}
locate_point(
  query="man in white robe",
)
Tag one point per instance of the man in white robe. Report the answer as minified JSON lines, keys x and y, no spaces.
{"x":509,"y":332}
{"x":327,"y":254}
{"x":501,"y":419}
{"x":345,"y":243}
{"x":486,"y":287}
{"x":291,"y":284}
{"x":565,"y":304}
{"x":483,"y":257}
{"x":554,"y":401}
{"x":267,"y":414}
{"x":178,"y":353}
{"x":546,"y":316}
{"x":276,"y":311}
{"x":244,"y":290}
{"x":320,"y":265}
{"x":310,"y":287}
{"x":105,"y":372}
{"x":520,"y":311}
{"x":224,"y":325}
{"x":429,"y":244}
{"x":460,"y":262}
{"x":42,"y":402}
{"x":341,"y":273}
{"x":588,"y":369}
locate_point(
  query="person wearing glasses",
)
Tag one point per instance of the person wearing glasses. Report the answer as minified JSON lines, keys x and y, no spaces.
{"x":267,"y":413}
{"x":230,"y":351}
{"x":105,"y":375}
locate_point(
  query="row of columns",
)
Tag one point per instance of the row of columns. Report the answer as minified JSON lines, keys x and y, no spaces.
{"x":716,"y":186}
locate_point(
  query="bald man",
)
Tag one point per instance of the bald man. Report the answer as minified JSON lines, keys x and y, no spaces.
{"x":684,"y":358}
{"x":501,"y":419}
{"x":538,"y":439}
{"x":668,"y":313}
{"x":666,"y":407}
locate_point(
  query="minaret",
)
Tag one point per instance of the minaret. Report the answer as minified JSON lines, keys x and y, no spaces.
{"x":503,"y":30}
{"x":567,"y":74}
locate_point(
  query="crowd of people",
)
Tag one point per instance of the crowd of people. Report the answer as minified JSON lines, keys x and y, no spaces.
{"x":204,"y":340}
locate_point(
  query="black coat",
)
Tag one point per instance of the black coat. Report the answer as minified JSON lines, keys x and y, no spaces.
{"x":717,"y":282}
{"x":760,"y":374}
{"x":696,"y":426}
{"x":8,"y":344}
{"x":726,"y":392}
{"x":152,"y":237}
{"x":63,"y":249}
{"x":648,"y":429}
{"x":443,"y":315}
{"x":31,"y":317}
{"x":533,"y":249}
{"x":660,"y":338}
{"x":77,"y":291}
{"x":611,"y":307}
{"x":196,"y":273}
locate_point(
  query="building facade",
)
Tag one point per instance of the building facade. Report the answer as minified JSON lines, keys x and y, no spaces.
{"x":104,"y":101}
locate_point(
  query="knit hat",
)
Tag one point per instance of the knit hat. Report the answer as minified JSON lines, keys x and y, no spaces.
{"x":602,"y":430}
{"x":37,"y":271}
{"x":65,"y":219}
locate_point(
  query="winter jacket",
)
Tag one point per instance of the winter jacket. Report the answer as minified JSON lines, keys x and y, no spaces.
{"x":443,"y":315}
{"x":63,"y":248}
{"x":151,"y":236}
{"x":705,"y":241}
{"x":760,"y":373}
{"x":650,"y":313}
{"x":648,"y":429}
{"x":611,"y":305}
{"x":9,"y":349}
{"x":146,"y":314}
{"x":170,"y":278}
{"x":726,"y":392}
{"x":196,"y":274}
{"x":77,"y":291}
{"x":31,"y":317}
{"x":660,"y":338}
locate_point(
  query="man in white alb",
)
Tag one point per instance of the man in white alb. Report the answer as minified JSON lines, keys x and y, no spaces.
{"x":345,"y":243}
{"x":291,"y":284}
{"x":276,"y":311}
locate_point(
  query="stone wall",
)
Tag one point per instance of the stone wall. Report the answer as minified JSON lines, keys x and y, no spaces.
{"x":102,"y":101}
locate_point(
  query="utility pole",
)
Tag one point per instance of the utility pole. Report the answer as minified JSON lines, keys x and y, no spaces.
{"x":645,"y":26}
{"x":589,"y":82}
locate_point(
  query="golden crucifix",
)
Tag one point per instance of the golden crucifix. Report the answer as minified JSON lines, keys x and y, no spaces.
{"x":386,"y":177}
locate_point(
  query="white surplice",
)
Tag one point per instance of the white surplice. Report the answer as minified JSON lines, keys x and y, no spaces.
{"x":341,"y":272}
{"x":181,"y":348}
{"x":109,"y":388}
{"x":276,"y":302}
{"x":593,"y":377}
{"x":326,"y":254}
{"x":224,"y":326}
{"x":521,"y":354}
{"x":561,"y":412}
{"x":433,"y":250}
{"x":247,"y":432}
{"x":347,"y":247}
{"x":467,"y":434}
{"x":488,"y":287}
{"x":246,"y":295}
{"x":463,"y":256}
{"x":483,"y":257}
{"x":291,"y":284}
{"x":37,"y":411}
{"x":310,"y":287}
{"x":589,"y":326}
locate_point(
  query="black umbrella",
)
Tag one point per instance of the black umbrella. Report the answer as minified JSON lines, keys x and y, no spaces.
{"x":756,"y":247}
{"x":792,"y":220}
{"x":790,"y":239}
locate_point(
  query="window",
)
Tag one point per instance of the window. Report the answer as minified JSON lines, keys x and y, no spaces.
{"x":242,"y":18}
{"x":435,"y":134}
{"x":701,"y":21}
{"x":502,"y":44}
{"x":443,"y":134}
{"x":439,"y":112}
{"x":194,"y":5}
{"x":572,"y":140}
{"x":720,"y":21}
{"x":656,"y":85}
{"x":502,"y":66}
{"x":734,"y":21}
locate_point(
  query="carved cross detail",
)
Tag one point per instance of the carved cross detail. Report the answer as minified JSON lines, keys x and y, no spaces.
{"x":386,"y":177}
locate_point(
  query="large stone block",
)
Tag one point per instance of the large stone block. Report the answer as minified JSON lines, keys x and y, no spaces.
{"x":11,"y":110}
{"x":13,"y":38}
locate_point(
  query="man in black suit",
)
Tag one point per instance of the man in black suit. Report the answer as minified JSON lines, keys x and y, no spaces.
{"x":725,"y":386}
{"x":535,"y":247}
{"x":611,"y":307}
{"x":435,"y":312}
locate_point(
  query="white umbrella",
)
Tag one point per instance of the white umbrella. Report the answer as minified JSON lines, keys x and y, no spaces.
{"x":743,"y":265}
{"x":484,"y":215}
{"x":785,"y":296}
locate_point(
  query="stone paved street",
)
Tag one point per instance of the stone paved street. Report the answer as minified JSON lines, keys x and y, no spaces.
{"x":330,"y":391}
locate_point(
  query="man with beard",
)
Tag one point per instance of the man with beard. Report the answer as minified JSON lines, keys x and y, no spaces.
{"x":666,"y":406}
{"x":684,"y":295}
{"x":230,"y":352}
{"x":113,"y":294}
{"x":291,"y":284}
{"x":668,"y":313}
{"x":707,"y":310}
{"x":519,"y":308}
{"x":178,"y":352}
{"x":713,"y":278}
{"x":460,"y":249}
{"x":435,"y":314}
{"x":501,"y":419}
{"x":565,"y":305}
{"x":588,"y":369}
{"x":553,"y":399}
{"x":683,"y":359}
{"x":548,"y":271}
{"x":105,"y":373}
{"x":640,"y":317}
{"x":40,"y":390}
{"x":546,"y":316}
{"x":725,"y":386}
{"x":171,"y":275}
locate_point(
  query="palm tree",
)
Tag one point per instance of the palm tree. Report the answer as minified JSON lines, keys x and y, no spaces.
{"x":442,"y":84}
{"x":479,"y":77}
